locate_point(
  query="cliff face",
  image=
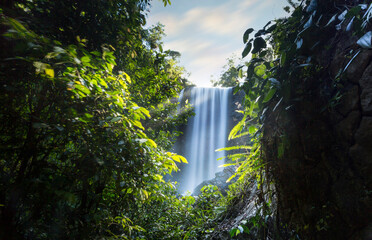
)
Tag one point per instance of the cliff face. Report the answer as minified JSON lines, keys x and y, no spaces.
{"x":320,"y":148}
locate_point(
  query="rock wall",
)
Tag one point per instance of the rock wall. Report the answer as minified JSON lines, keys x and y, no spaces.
{"x":324,"y":176}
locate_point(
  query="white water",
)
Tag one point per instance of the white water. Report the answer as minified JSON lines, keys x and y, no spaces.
{"x":204,"y":133}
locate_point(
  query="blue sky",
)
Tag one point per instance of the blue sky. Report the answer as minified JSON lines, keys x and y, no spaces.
{"x":207,"y":32}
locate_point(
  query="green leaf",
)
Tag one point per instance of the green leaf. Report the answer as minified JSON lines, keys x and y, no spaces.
{"x":237,"y":156}
{"x":281,"y":150}
{"x":143,"y":194}
{"x":252,"y":129}
{"x":237,"y":128}
{"x":82,"y":88}
{"x":85,"y":59}
{"x":260,"y":32}
{"x":152,"y":143}
{"x":234,"y":148}
{"x":258,"y":44}
{"x":179,"y":158}
{"x":49,"y":72}
{"x":51,"y":55}
{"x":247,"y":49}
{"x":230,"y":178}
{"x":271,"y":28}
{"x":17,"y":25}
{"x":137,"y":124}
{"x":145,"y":111}
{"x":250,"y":70}
{"x":283,"y":58}
{"x":353,"y":12}
{"x":246,"y":35}
{"x":183,"y":159}
{"x":88,"y":115}
{"x":115,"y":119}
{"x":227,"y":165}
{"x":260,"y":70}
{"x":102,"y":82}
{"x":269,"y":95}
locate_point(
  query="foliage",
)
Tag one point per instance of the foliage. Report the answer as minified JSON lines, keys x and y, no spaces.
{"x":271,"y":84}
{"x":269,"y":81}
{"x":156,"y":74}
{"x":87,"y":120}
{"x":115,"y":23}
{"x":81,"y":156}
{"x":230,"y":75}
{"x":74,"y":156}
{"x":180,"y":217}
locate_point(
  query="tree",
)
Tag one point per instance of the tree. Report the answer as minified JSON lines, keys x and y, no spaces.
{"x":75,"y":156}
{"x":230,"y":75}
{"x":116,"y":24}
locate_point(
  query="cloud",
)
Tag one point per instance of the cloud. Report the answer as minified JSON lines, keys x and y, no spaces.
{"x":212,"y":31}
{"x":190,"y":45}
{"x":222,"y":19}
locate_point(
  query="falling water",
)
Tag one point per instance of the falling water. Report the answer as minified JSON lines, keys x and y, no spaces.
{"x":204,"y":133}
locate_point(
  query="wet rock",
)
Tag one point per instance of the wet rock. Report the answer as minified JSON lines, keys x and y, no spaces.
{"x":339,"y":61}
{"x":349,"y":101}
{"x":361,"y":152}
{"x":358,"y":65}
{"x":337,"y":65}
{"x":347,"y":127}
{"x":366,"y":86}
{"x":219,"y":180}
{"x":364,"y":234}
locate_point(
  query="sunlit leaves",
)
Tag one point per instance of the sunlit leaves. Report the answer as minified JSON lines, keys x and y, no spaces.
{"x":237,"y":128}
{"x":166,"y":2}
{"x":179,"y":158}
{"x":269,"y":95}
{"x":85,"y":59}
{"x":234,"y":148}
{"x":260,"y":70}
{"x":87,"y":134}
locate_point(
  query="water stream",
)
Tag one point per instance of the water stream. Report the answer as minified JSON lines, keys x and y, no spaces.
{"x":204,"y":133}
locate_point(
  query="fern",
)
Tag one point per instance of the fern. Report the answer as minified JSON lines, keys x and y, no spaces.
{"x":367,"y":16}
{"x":234,"y":148}
{"x":238,"y":127}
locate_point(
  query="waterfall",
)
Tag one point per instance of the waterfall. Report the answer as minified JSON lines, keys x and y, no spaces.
{"x":205,"y":132}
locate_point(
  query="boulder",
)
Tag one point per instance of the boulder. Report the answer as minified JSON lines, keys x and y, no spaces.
{"x":366,"y":87}
{"x":219,"y":180}
{"x":358,"y":65}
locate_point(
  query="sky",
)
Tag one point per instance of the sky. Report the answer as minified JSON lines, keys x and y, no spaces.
{"x":207,"y":32}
